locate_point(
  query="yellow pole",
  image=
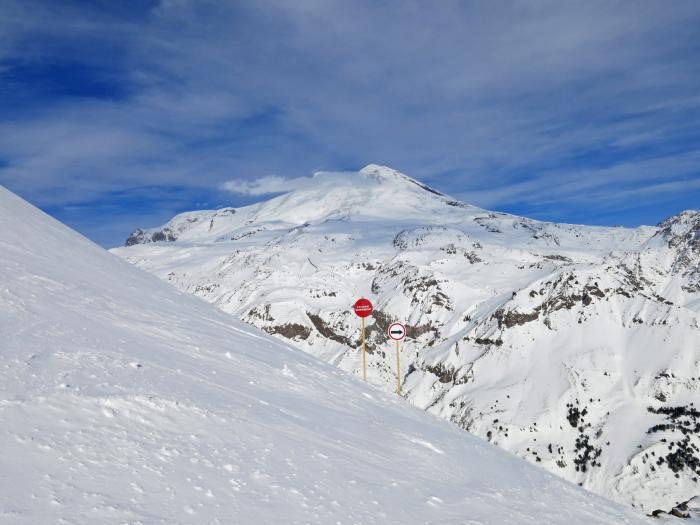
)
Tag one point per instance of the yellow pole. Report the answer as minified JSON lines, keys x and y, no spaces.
{"x":364,"y":359}
{"x":398,"y":370}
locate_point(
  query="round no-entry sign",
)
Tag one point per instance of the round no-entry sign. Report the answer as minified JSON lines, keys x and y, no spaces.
{"x":397,"y":331}
{"x":363,"y":307}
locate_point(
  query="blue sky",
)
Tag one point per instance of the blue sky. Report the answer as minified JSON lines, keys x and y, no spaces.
{"x":115,"y":115}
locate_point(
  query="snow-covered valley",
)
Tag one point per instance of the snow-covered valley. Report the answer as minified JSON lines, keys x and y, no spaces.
{"x":123,"y":400}
{"x":574,"y":347}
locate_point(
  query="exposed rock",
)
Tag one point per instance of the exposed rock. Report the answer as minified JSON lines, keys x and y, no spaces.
{"x":289,"y":330}
{"x":511,"y":318}
{"x":140,"y":237}
{"x":329,"y":332}
{"x":488,"y":341}
{"x":443,"y":373}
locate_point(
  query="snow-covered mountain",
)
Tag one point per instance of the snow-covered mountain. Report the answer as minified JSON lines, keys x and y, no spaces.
{"x":575,"y":347}
{"x":123,"y":400}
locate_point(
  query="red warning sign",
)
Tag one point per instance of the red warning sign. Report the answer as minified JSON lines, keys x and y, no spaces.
{"x":363,"y":307}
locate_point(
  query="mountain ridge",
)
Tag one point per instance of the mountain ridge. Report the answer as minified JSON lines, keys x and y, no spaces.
{"x":516,"y":326}
{"x":339,"y":208}
{"x":124,"y":400}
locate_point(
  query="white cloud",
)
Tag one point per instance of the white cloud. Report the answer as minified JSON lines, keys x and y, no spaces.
{"x":265,"y":185}
{"x":440,"y":92}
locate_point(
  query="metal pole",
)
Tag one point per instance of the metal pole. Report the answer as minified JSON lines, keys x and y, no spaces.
{"x":364,"y":359}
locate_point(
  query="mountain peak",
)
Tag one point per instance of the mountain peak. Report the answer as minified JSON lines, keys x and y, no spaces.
{"x":682,"y":231}
{"x":381,"y":173}
{"x":684,"y":216}
{"x":387,"y":174}
{"x":373,"y":192}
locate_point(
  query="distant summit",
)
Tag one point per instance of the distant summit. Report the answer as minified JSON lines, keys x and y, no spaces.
{"x":386,"y":174}
{"x":373,"y":192}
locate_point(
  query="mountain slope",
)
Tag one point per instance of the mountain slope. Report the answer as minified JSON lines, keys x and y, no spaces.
{"x":574,"y":347}
{"x":123,"y":400}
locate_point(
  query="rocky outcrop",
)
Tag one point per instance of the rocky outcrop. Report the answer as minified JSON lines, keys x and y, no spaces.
{"x":139,"y":236}
{"x":293,"y":331}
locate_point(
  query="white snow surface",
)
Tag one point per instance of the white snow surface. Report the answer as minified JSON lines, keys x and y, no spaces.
{"x":567,"y":345}
{"x":123,"y":400}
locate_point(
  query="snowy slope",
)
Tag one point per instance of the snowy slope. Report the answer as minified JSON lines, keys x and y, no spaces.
{"x":123,"y":400}
{"x":574,"y":347}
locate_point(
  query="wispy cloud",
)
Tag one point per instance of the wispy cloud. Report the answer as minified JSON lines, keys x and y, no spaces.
{"x":265,"y":185}
{"x":516,"y":105}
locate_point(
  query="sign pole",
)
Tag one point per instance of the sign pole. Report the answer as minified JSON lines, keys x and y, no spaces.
{"x":397,"y":332}
{"x":364,"y":359}
{"x":363,"y":308}
{"x":398,"y":370}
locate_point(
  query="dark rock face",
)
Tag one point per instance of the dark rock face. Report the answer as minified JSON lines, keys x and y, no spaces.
{"x":164,"y":235}
{"x":443,"y":373}
{"x":139,"y":236}
{"x":328,"y":332}
{"x":679,"y":511}
{"x":427,"y":188}
{"x":560,"y":258}
{"x":381,"y":324}
{"x":486,"y":222}
{"x":488,"y":342}
{"x":290,"y":330}
{"x":261,"y":312}
{"x":136,"y":237}
{"x":682,"y":234}
{"x":562,"y":295}
{"x":414,"y":332}
{"x":511,"y":318}
{"x":689,"y":224}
